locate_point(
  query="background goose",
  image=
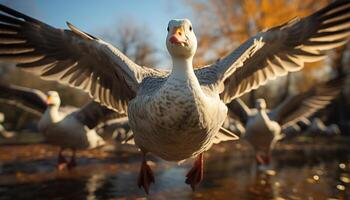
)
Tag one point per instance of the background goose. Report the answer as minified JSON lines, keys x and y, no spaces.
{"x":173,"y":114}
{"x":311,"y":127}
{"x":66,"y":127}
{"x":317,"y":127}
{"x":264,"y":127}
{"x":3,"y":132}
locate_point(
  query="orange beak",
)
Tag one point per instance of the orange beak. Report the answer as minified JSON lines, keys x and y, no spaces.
{"x":49,"y":100}
{"x":177,"y":37}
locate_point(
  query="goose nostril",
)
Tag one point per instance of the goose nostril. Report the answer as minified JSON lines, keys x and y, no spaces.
{"x":179,"y":32}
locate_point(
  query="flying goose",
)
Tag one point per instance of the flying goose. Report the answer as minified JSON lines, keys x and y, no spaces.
{"x":263,"y":128}
{"x":66,"y":127}
{"x":173,"y":114}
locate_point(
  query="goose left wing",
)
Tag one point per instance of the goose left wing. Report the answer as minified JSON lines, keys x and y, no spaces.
{"x":278,"y":51}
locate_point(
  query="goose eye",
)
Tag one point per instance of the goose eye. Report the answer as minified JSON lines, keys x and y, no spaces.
{"x":190,"y":28}
{"x":167,"y":29}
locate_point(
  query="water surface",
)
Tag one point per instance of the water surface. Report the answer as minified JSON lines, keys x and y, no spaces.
{"x":305,"y":170}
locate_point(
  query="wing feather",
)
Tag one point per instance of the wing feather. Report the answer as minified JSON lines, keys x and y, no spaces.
{"x":92,"y":114}
{"x":279,"y":50}
{"x":240,"y":109}
{"x":71,"y":57}
{"x":30,"y":100}
{"x":305,"y":104}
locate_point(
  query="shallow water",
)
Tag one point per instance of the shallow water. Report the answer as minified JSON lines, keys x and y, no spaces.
{"x":297,"y":172}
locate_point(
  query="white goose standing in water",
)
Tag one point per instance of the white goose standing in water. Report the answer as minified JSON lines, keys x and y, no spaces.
{"x":178,"y":114}
{"x":66,"y":127}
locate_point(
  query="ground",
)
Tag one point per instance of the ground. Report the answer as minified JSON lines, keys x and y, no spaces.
{"x":301,"y":169}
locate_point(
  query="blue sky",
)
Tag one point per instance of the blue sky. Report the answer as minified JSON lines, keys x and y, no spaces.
{"x":94,"y":16}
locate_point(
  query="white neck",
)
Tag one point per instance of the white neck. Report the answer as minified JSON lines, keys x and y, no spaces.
{"x":53,"y":113}
{"x":50,"y":116}
{"x":182,"y":68}
{"x":263,"y":113}
{"x":262,"y":110}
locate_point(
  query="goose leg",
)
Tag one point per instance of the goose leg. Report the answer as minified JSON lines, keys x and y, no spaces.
{"x":146,"y":176}
{"x":195,"y":175}
{"x":72,"y":163}
{"x":263,"y":159}
{"x":61,"y":161}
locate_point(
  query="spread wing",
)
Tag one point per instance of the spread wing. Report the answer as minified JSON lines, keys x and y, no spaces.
{"x":71,"y":57}
{"x":305,"y":104}
{"x":117,"y":129}
{"x":278,"y":50}
{"x":93,"y":113}
{"x":240,"y":109}
{"x":31,"y":100}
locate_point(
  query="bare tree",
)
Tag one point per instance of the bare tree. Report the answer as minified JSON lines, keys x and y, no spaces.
{"x":133,"y":40}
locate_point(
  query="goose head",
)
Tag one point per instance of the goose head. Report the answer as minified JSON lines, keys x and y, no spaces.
{"x":181,"y":41}
{"x":53,"y":99}
{"x":260,"y":104}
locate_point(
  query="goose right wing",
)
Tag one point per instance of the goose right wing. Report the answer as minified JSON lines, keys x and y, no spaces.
{"x":71,"y":57}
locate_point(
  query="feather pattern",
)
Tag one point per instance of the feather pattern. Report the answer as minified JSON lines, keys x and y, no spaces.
{"x":279,"y":50}
{"x":305,"y":104}
{"x":71,"y":57}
